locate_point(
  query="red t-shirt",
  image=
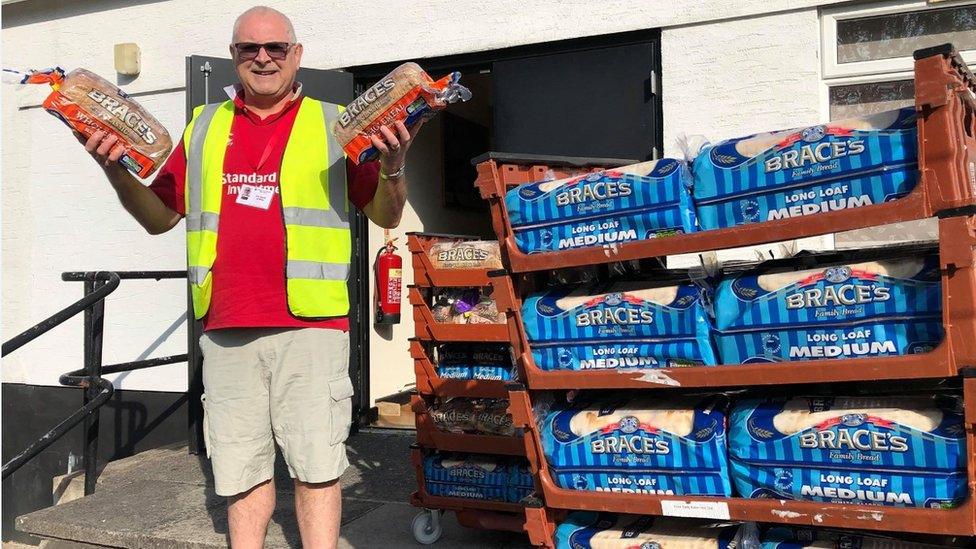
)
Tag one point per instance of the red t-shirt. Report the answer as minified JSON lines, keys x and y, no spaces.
{"x":249,"y":274}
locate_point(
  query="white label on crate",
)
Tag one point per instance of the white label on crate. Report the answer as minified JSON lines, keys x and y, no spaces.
{"x":696,"y":509}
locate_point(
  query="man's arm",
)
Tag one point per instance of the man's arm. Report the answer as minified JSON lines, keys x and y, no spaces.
{"x":386,"y":207}
{"x":137,"y":199}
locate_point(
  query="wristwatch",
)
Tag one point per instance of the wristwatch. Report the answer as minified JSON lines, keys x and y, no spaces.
{"x":394,"y":175}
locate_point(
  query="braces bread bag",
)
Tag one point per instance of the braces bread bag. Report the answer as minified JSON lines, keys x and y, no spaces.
{"x":636,"y":324}
{"x":778,"y":175}
{"x":897,"y":451}
{"x":636,"y":202}
{"x":407,"y":94}
{"x":644,"y":445}
{"x":477,"y":476}
{"x":88,"y":103}
{"x":469,"y":476}
{"x":784,"y":310}
{"x":589,"y":530}
{"x":475,"y":361}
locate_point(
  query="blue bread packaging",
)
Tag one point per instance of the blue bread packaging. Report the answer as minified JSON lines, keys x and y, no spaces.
{"x":477,"y":476}
{"x":903,"y":451}
{"x":636,"y":202}
{"x":620,"y":325}
{"x":645,"y":445}
{"x":887,"y":307}
{"x":805,"y":171}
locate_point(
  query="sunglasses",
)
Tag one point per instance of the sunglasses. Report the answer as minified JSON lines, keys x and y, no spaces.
{"x":275,"y":50}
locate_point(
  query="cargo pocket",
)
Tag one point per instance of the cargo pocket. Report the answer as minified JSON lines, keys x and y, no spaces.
{"x":340,"y":391}
{"x":206,"y":425}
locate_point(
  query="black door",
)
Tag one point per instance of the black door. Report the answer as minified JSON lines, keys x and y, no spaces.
{"x":206,"y":78}
{"x":586,"y":101}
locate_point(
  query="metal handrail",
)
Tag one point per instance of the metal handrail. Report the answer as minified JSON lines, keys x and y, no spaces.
{"x":32,"y":333}
{"x":98,"y":390}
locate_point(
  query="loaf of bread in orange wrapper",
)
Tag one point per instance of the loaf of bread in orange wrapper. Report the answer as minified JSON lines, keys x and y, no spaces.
{"x":88,"y":103}
{"x":407,"y":95}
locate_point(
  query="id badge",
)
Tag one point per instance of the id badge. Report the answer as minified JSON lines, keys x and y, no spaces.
{"x":255,"y":197}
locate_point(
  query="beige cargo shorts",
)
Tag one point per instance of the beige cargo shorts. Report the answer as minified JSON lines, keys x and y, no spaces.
{"x":263,"y":386}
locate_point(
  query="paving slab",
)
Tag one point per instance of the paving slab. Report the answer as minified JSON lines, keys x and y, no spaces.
{"x":164,"y":498}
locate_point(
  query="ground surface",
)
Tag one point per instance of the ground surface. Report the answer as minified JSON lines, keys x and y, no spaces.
{"x":164,"y":498}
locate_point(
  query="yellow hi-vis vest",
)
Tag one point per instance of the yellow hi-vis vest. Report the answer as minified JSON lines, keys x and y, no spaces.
{"x":315,"y":208}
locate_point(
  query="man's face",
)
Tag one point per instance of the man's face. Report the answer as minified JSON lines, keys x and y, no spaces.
{"x":263,"y":75}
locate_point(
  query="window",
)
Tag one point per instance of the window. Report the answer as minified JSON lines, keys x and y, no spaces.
{"x":880,"y":38}
{"x":868,"y":68}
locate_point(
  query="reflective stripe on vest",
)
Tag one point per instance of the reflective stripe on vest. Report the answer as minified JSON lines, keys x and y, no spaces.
{"x":315,"y":209}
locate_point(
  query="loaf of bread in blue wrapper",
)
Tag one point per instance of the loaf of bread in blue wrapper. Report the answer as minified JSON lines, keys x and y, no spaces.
{"x":896,"y":451}
{"x":805,"y":171}
{"x":620,"y":325}
{"x":474,"y":361}
{"x":477,"y":476}
{"x":636,"y":202}
{"x":789,"y":537}
{"x":776,"y":312}
{"x":589,"y":530}
{"x":645,"y":444}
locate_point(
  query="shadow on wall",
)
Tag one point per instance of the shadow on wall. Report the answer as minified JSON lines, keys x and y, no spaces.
{"x":425,"y":192}
{"x":147,"y":353}
{"x":38,"y":11}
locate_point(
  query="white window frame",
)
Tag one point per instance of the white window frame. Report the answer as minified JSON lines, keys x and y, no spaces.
{"x":865,"y":72}
{"x":828,"y":29}
{"x":880,"y":70}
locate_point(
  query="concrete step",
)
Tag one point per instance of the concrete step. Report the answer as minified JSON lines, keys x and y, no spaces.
{"x":164,"y":499}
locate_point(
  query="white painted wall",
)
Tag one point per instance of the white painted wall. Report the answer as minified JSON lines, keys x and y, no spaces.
{"x":58,"y":214}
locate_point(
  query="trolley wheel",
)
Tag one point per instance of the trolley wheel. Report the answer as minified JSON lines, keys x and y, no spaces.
{"x":427,"y":526}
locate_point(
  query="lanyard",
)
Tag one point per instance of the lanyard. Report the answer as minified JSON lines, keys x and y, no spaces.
{"x":276,"y":136}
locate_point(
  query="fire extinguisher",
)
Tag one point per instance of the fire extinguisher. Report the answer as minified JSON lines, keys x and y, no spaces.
{"x":389,"y":273}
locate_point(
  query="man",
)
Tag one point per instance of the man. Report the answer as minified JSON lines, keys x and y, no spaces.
{"x":263,"y":172}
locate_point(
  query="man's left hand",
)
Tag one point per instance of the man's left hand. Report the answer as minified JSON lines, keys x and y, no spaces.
{"x":393,"y":144}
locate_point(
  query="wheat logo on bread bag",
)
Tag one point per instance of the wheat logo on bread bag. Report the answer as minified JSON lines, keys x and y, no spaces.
{"x":620,"y":325}
{"x":788,"y":537}
{"x":636,"y":202}
{"x":897,"y":451}
{"x":870,"y":308}
{"x":780,"y":175}
{"x":406,"y":95}
{"x":88,"y":103}
{"x":640,"y":445}
{"x":589,"y":530}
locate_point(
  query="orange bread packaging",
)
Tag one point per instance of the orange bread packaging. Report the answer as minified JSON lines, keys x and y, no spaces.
{"x":407,"y":95}
{"x":87,"y":103}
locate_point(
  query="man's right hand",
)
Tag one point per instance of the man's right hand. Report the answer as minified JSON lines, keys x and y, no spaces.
{"x":104,"y":148}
